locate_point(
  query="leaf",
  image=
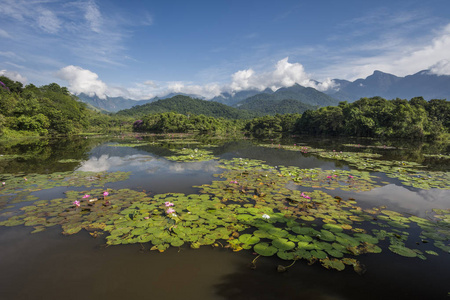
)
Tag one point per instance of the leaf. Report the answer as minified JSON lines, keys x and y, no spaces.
{"x":402,"y":250}
{"x":265,"y":249}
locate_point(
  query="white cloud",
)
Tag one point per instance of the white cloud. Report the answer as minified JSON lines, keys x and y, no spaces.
{"x":48,"y":21}
{"x":83,"y":81}
{"x":208,"y":90}
{"x":13,"y":76}
{"x":398,"y":56}
{"x":93,"y":16}
{"x":441,"y":68}
{"x":285,"y":74}
{"x":151,"y":83}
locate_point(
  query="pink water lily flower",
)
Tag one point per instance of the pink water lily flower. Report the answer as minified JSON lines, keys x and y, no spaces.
{"x":168,"y":204}
{"x":3,"y":183}
{"x":170,"y":211}
{"x":329,"y":177}
{"x":234,"y":181}
{"x":76,"y":203}
{"x":105,"y":194}
{"x":350,"y":176}
{"x":86,"y":196}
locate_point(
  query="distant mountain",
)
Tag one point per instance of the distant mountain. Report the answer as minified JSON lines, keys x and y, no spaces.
{"x":232,"y":99}
{"x":186,"y":105}
{"x":114,"y":104}
{"x":111,"y":104}
{"x":306,"y":95}
{"x":272,"y":107}
{"x":389,"y":86}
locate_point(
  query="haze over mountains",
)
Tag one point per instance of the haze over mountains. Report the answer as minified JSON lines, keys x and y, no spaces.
{"x":388,"y":86}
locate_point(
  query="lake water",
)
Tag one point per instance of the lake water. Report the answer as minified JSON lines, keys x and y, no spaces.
{"x":50,"y":265}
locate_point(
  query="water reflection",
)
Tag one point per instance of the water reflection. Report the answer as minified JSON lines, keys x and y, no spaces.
{"x":150,"y":172}
{"x":400,"y":199}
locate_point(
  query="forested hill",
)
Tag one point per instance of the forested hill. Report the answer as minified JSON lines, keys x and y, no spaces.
{"x":49,"y":109}
{"x":272,"y":107}
{"x":306,"y":95}
{"x":186,"y":105}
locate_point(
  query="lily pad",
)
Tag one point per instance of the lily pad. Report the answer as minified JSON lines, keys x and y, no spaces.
{"x":265,"y":249}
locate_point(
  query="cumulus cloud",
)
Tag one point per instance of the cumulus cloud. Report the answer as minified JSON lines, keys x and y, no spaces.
{"x":83,"y":81}
{"x":13,"y":76}
{"x":441,"y":68}
{"x":207,"y":90}
{"x":285,"y":74}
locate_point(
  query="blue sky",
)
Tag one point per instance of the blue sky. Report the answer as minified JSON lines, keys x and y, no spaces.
{"x":140,"y":49}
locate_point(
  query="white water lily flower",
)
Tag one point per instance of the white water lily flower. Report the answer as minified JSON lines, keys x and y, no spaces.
{"x":266,"y":216}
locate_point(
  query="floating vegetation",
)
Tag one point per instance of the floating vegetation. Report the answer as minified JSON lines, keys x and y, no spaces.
{"x":370,"y":146}
{"x":410,"y":173}
{"x":136,"y":144}
{"x":249,"y":207}
{"x":17,"y":188}
{"x":187,"y":154}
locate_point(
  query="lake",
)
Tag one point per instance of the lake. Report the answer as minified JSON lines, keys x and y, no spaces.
{"x":202,"y":217}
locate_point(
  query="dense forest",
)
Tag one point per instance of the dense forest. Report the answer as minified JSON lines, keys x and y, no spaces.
{"x":367,"y":117}
{"x":49,"y":109}
{"x":378,"y":117}
{"x":52,"y":110}
{"x":174,"y":122}
{"x":271,"y":107}
{"x":186,"y":105}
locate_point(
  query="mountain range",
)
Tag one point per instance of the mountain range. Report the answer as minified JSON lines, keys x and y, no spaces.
{"x":388,"y":86}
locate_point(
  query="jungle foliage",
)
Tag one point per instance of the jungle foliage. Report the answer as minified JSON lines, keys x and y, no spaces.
{"x":174,"y":122}
{"x":48,"y":110}
{"x":378,"y":117}
{"x":186,"y":105}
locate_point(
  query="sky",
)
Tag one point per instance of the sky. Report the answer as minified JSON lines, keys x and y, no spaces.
{"x":141,"y":49}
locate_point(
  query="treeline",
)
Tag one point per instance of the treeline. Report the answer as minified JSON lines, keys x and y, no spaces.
{"x":174,"y":122}
{"x":272,"y":124}
{"x":186,"y":105}
{"x":47,"y":110}
{"x":367,"y":117}
{"x":378,"y":117}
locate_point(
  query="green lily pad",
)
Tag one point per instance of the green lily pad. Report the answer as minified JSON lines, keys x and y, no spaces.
{"x":283,"y":244}
{"x":402,"y":250}
{"x":265,"y":249}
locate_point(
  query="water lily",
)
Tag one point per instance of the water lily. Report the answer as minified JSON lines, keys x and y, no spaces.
{"x":234,"y":181}
{"x":3,"y":183}
{"x":350,"y":176}
{"x":266,"y":216}
{"x":168,"y":204}
{"x":76,"y":203}
{"x":170,"y":211}
{"x":86,"y":196}
{"x":105,"y":193}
